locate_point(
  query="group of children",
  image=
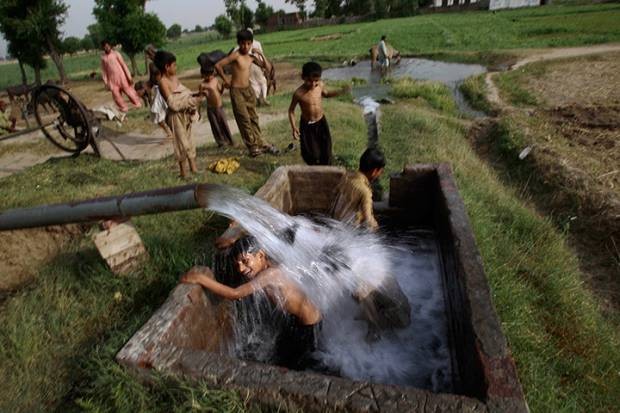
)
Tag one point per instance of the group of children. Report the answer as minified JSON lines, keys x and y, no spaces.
{"x":174,"y":107}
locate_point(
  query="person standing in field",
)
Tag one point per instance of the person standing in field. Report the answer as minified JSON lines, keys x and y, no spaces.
{"x":382,"y":54}
{"x":117,"y":77}
{"x":313,"y":131}
{"x":181,"y":113}
{"x":242,"y":95}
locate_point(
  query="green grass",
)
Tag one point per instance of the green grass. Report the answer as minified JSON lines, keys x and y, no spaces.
{"x":511,"y":89}
{"x":59,"y":336}
{"x":475,"y":90}
{"x":472,"y":37}
{"x":436,"y":94}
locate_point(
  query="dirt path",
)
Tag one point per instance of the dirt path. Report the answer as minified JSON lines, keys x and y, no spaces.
{"x":133,"y":146}
{"x":493,"y":95}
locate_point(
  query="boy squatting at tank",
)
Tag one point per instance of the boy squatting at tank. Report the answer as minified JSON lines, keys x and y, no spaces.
{"x":296,"y":343}
{"x":386,"y":307}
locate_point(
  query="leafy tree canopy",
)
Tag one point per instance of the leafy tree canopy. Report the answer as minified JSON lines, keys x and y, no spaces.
{"x":174,"y":31}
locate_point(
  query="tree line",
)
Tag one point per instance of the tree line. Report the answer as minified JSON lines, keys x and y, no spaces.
{"x":32,"y":31}
{"x":239,"y":15}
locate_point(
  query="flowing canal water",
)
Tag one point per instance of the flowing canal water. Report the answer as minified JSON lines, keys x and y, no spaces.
{"x":450,"y":74}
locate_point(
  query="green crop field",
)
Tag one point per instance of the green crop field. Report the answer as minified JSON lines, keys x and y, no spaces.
{"x":473,"y":35}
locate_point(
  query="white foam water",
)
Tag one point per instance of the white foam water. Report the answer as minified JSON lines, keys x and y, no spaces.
{"x":328,"y":260}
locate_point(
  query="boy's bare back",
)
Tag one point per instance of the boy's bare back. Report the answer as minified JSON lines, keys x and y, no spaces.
{"x":284,"y":292}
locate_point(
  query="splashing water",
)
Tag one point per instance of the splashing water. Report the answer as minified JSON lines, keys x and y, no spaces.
{"x":328,"y":260}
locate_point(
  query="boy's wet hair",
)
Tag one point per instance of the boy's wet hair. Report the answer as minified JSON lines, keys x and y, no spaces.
{"x":163,"y":58}
{"x":245,"y":245}
{"x":372,"y":158}
{"x":207,"y":70}
{"x":244,"y":35}
{"x":104,"y":42}
{"x":383,"y":37}
{"x":311,"y":69}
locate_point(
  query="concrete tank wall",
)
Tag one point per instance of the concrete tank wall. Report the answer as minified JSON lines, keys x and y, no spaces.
{"x":485,"y":377}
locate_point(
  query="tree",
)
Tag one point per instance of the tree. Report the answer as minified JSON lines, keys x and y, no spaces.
{"x":23,"y":39}
{"x":95,"y":32}
{"x":71,"y":45}
{"x":174,"y":31}
{"x":263,"y":13}
{"x":198,"y":28}
{"x":223,"y":25}
{"x":381,"y":9}
{"x":320,"y":7}
{"x":87,"y":43}
{"x":246,"y":16}
{"x":357,"y":7}
{"x":35,"y":24}
{"x":125,"y":22}
{"x":47,"y":16}
{"x":333,"y":8}
{"x":300,"y":4}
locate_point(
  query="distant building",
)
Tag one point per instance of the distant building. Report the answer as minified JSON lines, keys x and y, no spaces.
{"x":483,"y":4}
{"x":284,"y":20}
{"x":512,"y":4}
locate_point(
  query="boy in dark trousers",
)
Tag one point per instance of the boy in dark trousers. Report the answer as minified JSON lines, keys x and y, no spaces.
{"x":313,"y":132}
{"x":215,"y":111}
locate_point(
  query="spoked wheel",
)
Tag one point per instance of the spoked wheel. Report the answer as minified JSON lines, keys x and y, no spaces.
{"x":62,"y":118}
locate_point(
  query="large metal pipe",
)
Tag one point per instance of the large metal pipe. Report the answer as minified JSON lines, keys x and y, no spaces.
{"x":177,"y":198}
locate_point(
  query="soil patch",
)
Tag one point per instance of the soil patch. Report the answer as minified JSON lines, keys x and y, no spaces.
{"x":22,"y":252}
{"x":585,"y":205}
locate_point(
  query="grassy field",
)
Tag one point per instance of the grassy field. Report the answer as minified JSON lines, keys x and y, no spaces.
{"x":472,"y":36}
{"x":59,"y":335}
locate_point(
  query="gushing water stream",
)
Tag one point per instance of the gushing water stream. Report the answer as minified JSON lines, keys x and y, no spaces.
{"x":328,"y":260}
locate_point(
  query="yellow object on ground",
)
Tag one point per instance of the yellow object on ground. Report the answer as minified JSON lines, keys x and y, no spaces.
{"x":224,"y":166}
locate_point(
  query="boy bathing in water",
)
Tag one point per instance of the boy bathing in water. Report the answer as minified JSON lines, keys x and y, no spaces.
{"x":313,"y":132}
{"x":385,"y":308}
{"x":242,"y":95}
{"x":182,"y":111}
{"x":296,"y":343}
{"x":215,"y":111}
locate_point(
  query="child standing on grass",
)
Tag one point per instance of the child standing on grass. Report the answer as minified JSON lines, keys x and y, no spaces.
{"x":242,"y":95}
{"x":313,"y":132}
{"x":215,"y":111}
{"x":181,"y":113}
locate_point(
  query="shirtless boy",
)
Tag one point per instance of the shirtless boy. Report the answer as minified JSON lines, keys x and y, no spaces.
{"x":215,"y":112}
{"x":241,"y":93}
{"x":294,"y":345}
{"x":313,"y":132}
